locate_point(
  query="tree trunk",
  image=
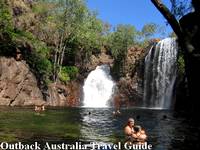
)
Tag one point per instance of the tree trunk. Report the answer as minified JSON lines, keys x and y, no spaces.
{"x":192,"y":62}
{"x":58,"y":57}
{"x":55,"y":65}
{"x":168,"y":16}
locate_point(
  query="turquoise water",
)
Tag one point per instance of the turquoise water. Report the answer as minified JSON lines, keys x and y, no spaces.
{"x":165,"y":129}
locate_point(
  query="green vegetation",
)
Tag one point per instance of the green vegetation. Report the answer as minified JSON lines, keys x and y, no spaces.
{"x":148,"y":32}
{"x":120,"y":41}
{"x":68,"y":73}
{"x":58,"y":38}
{"x":181,"y":66}
{"x":6,"y":28}
{"x":5,"y":18}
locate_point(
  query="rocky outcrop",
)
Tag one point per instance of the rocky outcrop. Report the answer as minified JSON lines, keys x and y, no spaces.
{"x":130,"y":87}
{"x":18,"y":85}
{"x":64,"y":95}
{"x":100,"y":59}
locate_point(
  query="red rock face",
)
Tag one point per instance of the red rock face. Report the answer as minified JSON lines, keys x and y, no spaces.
{"x":18,"y":86}
{"x":64,"y":95}
{"x":130,"y":87}
{"x":102,"y":58}
{"x":73,"y":99}
{"x":156,"y":40}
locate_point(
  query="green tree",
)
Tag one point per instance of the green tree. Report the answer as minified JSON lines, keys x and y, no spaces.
{"x":6,"y":28}
{"x":89,"y":37}
{"x":60,"y":20}
{"x":5,"y":17}
{"x":149,"y":30}
{"x":120,"y":40}
{"x":73,"y":31}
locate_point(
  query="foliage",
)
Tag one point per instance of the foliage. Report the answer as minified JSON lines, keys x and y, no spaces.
{"x":181,"y":65}
{"x":68,"y":73}
{"x":119,"y":42}
{"x":180,"y":7}
{"x":149,"y":29}
{"x":5,"y":18}
{"x":6,"y":29}
{"x":72,"y":29}
{"x":63,"y":76}
{"x":90,"y":32}
{"x":58,"y":37}
{"x":88,"y":37}
{"x":37,"y":56}
{"x":72,"y":71}
{"x":121,"y":39}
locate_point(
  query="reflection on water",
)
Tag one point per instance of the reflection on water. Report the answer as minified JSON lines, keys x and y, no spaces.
{"x":165,"y":129}
{"x":97,"y":125}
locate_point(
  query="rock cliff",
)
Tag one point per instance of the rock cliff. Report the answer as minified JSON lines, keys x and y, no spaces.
{"x":64,"y":95}
{"x":18,"y":85}
{"x":130,"y":87}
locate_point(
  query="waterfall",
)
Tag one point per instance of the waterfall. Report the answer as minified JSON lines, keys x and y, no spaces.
{"x":98,"y":87}
{"x":160,"y":74}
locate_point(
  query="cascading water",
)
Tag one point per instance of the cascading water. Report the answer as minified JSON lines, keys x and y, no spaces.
{"x":98,"y":87}
{"x":160,"y":74}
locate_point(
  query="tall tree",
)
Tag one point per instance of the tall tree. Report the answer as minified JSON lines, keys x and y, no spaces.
{"x":88,"y":37}
{"x":60,"y":21}
{"x":120,"y":40}
{"x":74,"y":12}
{"x":187,"y":30}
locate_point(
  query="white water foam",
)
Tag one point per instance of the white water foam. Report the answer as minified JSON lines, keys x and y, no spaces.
{"x":160,"y":74}
{"x":98,"y":87}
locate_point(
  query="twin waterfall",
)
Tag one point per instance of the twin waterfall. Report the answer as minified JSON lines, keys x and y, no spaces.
{"x":98,"y":87}
{"x":159,"y":79}
{"x":160,"y":74}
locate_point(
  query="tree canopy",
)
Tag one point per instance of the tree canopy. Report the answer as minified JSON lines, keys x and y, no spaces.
{"x":180,"y":7}
{"x":58,"y":37}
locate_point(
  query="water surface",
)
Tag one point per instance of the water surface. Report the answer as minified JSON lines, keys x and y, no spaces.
{"x":166,"y":130}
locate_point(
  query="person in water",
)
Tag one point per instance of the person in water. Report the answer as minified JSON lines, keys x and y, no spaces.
{"x":38,"y":109}
{"x":139,"y":134}
{"x":115,"y":113}
{"x":129,"y":129}
{"x":134,"y":133}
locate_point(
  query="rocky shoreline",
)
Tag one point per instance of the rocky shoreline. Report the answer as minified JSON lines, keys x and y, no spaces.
{"x":19,"y":86}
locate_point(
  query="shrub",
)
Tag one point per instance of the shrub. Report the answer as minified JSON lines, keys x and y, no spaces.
{"x":68,"y":73}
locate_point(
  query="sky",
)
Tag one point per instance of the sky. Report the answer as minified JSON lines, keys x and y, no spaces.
{"x":134,"y":12}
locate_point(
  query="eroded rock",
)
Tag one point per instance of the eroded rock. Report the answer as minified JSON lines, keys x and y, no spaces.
{"x":64,"y":95}
{"x":18,"y":85}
